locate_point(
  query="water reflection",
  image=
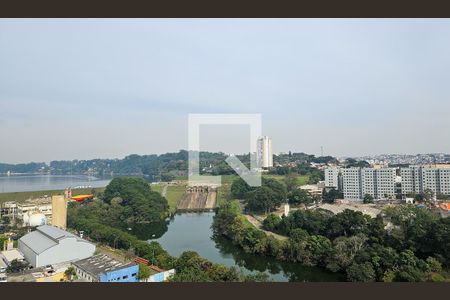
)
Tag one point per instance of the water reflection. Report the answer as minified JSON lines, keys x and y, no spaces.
{"x":192,"y":231}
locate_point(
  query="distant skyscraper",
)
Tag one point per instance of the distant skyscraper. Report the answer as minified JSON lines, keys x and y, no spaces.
{"x":264,"y":152}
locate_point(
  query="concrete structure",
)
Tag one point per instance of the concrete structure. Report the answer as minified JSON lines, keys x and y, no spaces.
{"x":379,"y":183}
{"x":15,"y":210}
{"x":34,"y":219}
{"x":59,"y":212}
{"x":418,"y":179}
{"x":103,"y":268}
{"x":49,"y":245}
{"x":313,"y":189}
{"x":332,"y":177}
{"x":9,"y":255}
{"x":264,"y":153}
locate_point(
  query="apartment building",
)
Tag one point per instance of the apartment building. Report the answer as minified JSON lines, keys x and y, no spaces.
{"x":264,"y":152}
{"x":332,"y":177}
{"x":379,"y":183}
{"x":419,"y":178}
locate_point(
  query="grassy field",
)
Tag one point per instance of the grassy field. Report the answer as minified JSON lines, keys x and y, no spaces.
{"x":302,"y":179}
{"x":22,"y":196}
{"x":174,"y":194}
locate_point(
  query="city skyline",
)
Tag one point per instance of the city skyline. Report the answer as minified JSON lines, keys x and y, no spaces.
{"x":84,"y":89}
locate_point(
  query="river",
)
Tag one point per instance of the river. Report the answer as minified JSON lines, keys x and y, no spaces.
{"x":28,"y":183}
{"x":192,"y":231}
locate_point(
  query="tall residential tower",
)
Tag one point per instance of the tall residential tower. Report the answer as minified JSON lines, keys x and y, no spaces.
{"x":264,"y":152}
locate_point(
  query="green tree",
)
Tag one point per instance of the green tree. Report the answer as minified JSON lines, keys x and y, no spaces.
{"x":16,"y":266}
{"x":144,"y":271}
{"x":299,"y":196}
{"x":271,"y":222}
{"x":239,"y":188}
{"x":363,"y":272}
{"x":291,"y":181}
{"x":368,"y":198}
{"x":70,"y":273}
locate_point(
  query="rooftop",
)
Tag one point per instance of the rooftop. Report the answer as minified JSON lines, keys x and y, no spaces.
{"x":101,"y":263}
{"x":12,"y":254}
{"x":45,"y":237}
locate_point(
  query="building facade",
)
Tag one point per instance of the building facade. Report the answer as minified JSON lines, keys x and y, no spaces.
{"x":264,"y":153}
{"x":103,"y":268}
{"x":418,"y":179}
{"x":332,"y":177}
{"x":379,"y":183}
{"x":48,"y":245}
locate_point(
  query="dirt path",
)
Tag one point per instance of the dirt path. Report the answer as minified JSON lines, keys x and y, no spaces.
{"x":258,"y":225}
{"x":164,"y":191}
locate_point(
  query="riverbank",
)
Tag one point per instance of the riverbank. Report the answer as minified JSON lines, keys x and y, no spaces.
{"x":23,"y":196}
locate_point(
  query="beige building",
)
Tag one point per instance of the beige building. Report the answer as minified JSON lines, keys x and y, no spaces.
{"x":59,"y":211}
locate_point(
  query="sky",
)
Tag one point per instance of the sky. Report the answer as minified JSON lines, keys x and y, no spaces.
{"x":107,"y":88}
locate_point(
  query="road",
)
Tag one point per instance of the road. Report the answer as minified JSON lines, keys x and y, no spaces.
{"x":258,"y":225}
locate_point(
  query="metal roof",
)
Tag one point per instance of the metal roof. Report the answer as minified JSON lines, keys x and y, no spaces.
{"x":45,"y":237}
{"x":101,"y":263}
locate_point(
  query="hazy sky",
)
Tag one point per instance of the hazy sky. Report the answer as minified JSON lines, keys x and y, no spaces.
{"x":108,"y":88}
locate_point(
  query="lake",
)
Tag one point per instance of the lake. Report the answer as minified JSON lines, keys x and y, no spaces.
{"x":192,"y":231}
{"x":28,"y":183}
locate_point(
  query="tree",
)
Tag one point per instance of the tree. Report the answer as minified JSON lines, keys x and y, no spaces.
{"x":138,"y":202}
{"x":368,"y":198}
{"x":144,"y":271}
{"x":70,"y":273}
{"x":239,"y":188}
{"x":16,"y":266}
{"x":331,"y":195}
{"x":271,"y":222}
{"x":363,"y":272}
{"x":262,"y":199}
{"x":291,"y":181}
{"x":299,"y":196}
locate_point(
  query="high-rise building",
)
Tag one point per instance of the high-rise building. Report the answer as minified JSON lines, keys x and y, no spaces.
{"x":264,"y":153}
{"x":59,"y":211}
{"x":418,"y":179}
{"x":332,"y":177}
{"x":379,"y":183}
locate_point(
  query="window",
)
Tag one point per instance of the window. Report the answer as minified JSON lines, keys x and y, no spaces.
{"x":125,"y":277}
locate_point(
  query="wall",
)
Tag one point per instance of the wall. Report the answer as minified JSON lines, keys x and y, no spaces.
{"x":68,"y":249}
{"x":117,"y":275}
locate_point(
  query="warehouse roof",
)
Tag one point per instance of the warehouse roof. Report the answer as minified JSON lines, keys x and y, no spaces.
{"x":45,"y":237}
{"x":101,"y":263}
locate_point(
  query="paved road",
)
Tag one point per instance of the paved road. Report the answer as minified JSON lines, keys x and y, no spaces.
{"x":258,"y":225}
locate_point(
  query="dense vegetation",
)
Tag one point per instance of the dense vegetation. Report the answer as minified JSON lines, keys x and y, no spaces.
{"x":349,"y":242}
{"x":155,"y":167}
{"x":125,"y":201}
{"x":264,"y":198}
{"x":130,"y":200}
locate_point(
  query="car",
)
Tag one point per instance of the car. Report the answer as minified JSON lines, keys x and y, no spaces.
{"x":48,"y":268}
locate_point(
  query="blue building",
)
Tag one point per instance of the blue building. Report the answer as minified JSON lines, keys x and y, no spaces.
{"x":103,"y":268}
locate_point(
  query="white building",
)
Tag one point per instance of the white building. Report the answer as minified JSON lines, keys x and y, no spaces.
{"x":351,"y":181}
{"x":49,"y":245}
{"x":332,"y":177}
{"x":418,"y":179}
{"x":264,"y":153}
{"x":379,"y":183}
